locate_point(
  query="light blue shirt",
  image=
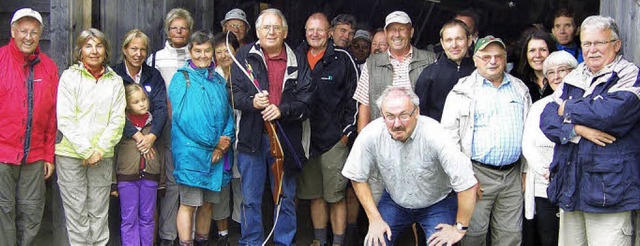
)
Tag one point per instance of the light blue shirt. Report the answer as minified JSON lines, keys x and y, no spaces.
{"x":498,"y":128}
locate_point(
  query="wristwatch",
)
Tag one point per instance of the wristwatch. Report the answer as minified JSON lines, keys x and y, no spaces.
{"x":461,"y":227}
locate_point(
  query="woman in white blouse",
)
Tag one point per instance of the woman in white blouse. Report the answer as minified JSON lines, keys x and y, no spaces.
{"x":538,"y":152}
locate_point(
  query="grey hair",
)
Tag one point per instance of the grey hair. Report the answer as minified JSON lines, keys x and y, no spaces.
{"x":344,"y":19}
{"x":403,"y":90}
{"x":598,"y":22}
{"x":200,"y":37}
{"x":559,"y":58}
{"x":272,"y":11}
{"x":176,"y":14}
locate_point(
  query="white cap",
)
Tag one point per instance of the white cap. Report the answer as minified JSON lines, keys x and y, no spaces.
{"x":397,"y":17}
{"x":26,"y":12}
{"x":363,"y":34}
{"x":235,"y":14}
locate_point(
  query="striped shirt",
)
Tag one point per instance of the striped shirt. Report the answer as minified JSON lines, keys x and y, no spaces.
{"x":498,"y":123}
{"x":400,"y":77}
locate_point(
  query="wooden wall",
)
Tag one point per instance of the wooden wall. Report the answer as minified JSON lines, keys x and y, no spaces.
{"x":627,"y":15}
{"x":117,"y":17}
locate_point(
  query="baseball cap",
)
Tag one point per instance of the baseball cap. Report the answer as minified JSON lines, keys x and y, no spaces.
{"x":483,"y":42}
{"x":363,"y":34}
{"x":235,"y":14}
{"x":26,"y":12}
{"x":397,"y":17}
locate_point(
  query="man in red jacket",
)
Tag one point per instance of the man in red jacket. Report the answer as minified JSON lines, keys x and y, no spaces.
{"x":28,"y":118}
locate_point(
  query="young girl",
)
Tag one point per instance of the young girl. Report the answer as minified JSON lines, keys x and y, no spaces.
{"x":137,"y":173}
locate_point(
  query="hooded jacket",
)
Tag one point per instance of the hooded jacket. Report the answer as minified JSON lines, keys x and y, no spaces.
{"x":28,"y":110}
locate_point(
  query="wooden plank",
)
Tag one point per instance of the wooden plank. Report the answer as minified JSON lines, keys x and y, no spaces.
{"x":626,"y":13}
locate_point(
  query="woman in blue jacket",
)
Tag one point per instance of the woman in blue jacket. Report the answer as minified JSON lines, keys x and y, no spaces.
{"x":202,"y":132}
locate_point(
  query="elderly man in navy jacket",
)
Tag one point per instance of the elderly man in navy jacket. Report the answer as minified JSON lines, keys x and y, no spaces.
{"x":595,"y":172}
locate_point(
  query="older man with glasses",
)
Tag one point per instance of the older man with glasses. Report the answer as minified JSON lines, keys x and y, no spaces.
{"x":594,"y":123}
{"x":485,"y":113}
{"x":427,"y":181}
{"x":235,"y":21}
{"x":273,"y":104}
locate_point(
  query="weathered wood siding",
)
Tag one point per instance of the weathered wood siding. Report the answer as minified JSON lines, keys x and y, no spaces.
{"x":117,"y":17}
{"x":627,"y":15}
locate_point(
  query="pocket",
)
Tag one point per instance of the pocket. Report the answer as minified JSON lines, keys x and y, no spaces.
{"x":604,"y":181}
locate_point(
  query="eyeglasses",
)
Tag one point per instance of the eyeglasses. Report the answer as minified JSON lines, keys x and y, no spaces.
{"x":487,"y":58}
{"x":597,"y":44}
{"x":397,"y":29}
{"x":236,"y":26}
{"x":318,"y":30}
{"x":561,"y":71}
{"x":25,"y":33}
{"x":275,"y":28}
{"x":404,"y":117}
{"x":178,"y":28}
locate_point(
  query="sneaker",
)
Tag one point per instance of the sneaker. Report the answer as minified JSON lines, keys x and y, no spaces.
{"x":316,"y":243}
{"x":223,"y":240}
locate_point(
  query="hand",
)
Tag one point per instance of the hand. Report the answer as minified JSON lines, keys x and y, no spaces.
{"x":224,"y":143}
{"x":145,"y":144}
{"x":95,"y":157}
{"x":479,"y":191}
{"x":150,"y":155}
{"x":261,"y":100}
{"x":561,"y":108}
{"x":375,"y":236}
{"x":217,"y":155}
{"x":596,"y":136}
{"x":48,"y":169}
{"x":271,"y":112}
{"x":115,"y":193}
{"x":524,"y":181}
{"x":546,"y":174}
{"x":447,"y":235}
{"x":344,"y":140}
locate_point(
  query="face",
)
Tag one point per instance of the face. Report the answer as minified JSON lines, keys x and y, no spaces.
{"x":598,"y":48}
{"x":361,"y":49}
{"x":237,"y":27}
{"x":537,"y":52}
{"x":469,"y":22}
{"x":26,"y":33}
{"x":399,"y":36}
{"x":137,"y":103}
{"x":555,"y":75}
{"x":317,"y":33}
{"x":342,"y":34}
{"x":379,"y":43}
{"x":179,"y":32}
{"x":93,"y":53}
{"x":202,"y":54}
{"x":223,"y":58}
{"x":455,"y":43}
{"x":563,"y":29}
{"x":271,"y":33}
{"x":491,"y":62}
{"x":400,"y":116}
{"x":135,"y":53}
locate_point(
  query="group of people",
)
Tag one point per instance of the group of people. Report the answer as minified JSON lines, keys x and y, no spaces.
{"x":455,"y":144}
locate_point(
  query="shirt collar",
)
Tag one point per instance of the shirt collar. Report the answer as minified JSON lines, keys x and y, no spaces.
{"x":408,"y":55}
{"x":136,"y":78}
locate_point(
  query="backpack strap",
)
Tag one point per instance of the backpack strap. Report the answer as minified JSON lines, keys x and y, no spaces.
{"x":186,"y":77}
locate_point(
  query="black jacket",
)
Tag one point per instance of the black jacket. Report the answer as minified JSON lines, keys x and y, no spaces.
{"x":153,"y":84}
{"x":437,"y":80}
{"x":333,"y":109}
{"x":294,"y":106}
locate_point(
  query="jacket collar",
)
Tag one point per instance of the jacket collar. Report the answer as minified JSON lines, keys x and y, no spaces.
{"x":173,"y":50}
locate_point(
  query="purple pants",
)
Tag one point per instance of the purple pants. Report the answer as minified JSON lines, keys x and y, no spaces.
{"x":137,"y":206}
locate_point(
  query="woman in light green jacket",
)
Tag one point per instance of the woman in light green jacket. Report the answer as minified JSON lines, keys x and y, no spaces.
{"x":90,"y":110}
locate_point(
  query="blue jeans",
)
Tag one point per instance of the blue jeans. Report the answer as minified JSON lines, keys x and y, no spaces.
{"x":398,"y":217}
{"x":254,"y":168}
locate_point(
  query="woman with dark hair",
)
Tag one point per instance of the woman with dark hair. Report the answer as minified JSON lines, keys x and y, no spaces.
{"x":535,"y":46}
{"x":201,"y":137}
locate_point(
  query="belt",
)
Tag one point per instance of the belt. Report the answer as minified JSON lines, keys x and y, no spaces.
{"x":503,"y":167}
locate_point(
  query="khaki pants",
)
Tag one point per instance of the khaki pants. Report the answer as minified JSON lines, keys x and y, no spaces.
{"x":500,"y":208}
{"x":21,"y":202}
{"x":85,"y":196}
{"x":580,"y":228}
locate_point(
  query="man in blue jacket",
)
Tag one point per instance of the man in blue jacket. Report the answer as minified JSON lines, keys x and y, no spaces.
{"x":595,"y":172}
{"x":266,"y":89}
{"x":333,"y":75}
